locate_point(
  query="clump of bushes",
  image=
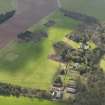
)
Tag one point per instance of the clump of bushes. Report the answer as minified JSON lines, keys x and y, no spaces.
{"x":50,"y":23}
{"x":6,"y":16}
{"x":26,"y":36}
{"x":60,"y":46}
{"x":33,"y":37}
{"x":8,"y":90}
{"x":75,"y":37}
{"x":81,"y":17}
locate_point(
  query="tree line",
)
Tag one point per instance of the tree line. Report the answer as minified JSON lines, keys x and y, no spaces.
{"x":6,"y":16}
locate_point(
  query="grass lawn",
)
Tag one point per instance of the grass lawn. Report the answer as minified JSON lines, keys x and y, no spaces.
{"x":91,"y":7}
{"x":25,"y":101}
{"x":73,"y":44}
{"x":102,"y":63}
{"x":27,"y":64}
{"x":6,"y":5}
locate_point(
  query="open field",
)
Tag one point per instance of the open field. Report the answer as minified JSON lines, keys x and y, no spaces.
{"x":90,"y":7}
{"x":25,"y":16}
{"x":25,"y":101}
{"x":27,"y":64}
{"x":28,"y":12}
{"x":7,"y":5}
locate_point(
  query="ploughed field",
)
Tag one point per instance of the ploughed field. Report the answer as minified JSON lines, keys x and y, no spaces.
{"x":28,"y":12}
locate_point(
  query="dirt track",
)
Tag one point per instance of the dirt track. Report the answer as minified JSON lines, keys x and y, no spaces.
{"x":28,"y":12}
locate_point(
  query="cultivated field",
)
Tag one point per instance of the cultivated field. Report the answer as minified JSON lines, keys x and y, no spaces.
{"x":91,"y":7}
{"x":28,"y":12}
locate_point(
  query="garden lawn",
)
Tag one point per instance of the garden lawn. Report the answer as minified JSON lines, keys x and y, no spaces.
{"x":90,"y":7}
{"x":27,"y":64}
{"x":7,"y":5}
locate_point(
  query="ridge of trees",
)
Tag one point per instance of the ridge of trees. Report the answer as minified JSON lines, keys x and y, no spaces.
{"x":14,"y":90}
{"x":28,"y":36}
{"x":80,"y":17}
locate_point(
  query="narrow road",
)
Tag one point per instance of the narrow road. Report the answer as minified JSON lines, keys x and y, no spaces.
{"x":28,"y":12}
{"x":59,"y":4}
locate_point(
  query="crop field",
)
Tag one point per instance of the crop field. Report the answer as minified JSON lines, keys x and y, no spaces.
{"x":27,"y":64}
{"x":90,"y":7}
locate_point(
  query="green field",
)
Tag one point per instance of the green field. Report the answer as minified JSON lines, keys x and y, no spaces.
{"x":27,"y":64}
{"x":90,"y":7}
{"x":25,"y":101}
{"x":7,"y":5}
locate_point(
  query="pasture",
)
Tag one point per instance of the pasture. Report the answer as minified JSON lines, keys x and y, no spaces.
{"x":90,"y":7}
{"x":27,"y":64}
{"x":25,"y":101}
{"x":7,"y":5}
